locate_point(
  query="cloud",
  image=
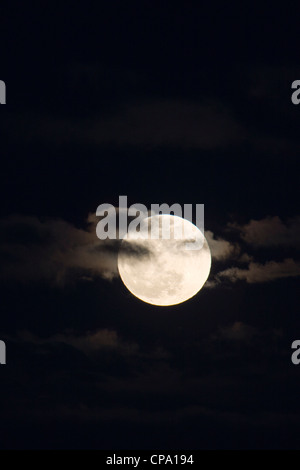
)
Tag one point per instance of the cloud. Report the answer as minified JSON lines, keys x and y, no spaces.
{"x":221,"y":249}
{"x":270,"y":231}
{"x":238,"y":331}
{"x":89,"y":343}
{"x":113,"y":354}
{"x":259,"y":273}
{"x":172,"y":123}
{"x":55,"y":250}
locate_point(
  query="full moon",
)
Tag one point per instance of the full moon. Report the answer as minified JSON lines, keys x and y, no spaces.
{"x":166,"y":270}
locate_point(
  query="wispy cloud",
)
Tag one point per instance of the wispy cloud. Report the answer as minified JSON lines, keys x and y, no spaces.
{"x":171,"y":123}
{"x":89,"y":343}
{"x":258,"y":273}
{"x":270,"y":231}
{"x":238,"y":331}
{"x":55,"y":250}
{"x":221,"y":249}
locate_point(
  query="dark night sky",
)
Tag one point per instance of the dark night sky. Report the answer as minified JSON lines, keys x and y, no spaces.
{"x":163,"y":104}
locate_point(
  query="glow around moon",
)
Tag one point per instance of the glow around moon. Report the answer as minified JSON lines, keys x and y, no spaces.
{"x":164,"y":271}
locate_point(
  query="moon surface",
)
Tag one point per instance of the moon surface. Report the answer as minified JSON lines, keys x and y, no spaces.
{"x":165,"y":270}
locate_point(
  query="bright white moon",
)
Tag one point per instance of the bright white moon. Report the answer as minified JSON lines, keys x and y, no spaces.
{"x":164,"y":271}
